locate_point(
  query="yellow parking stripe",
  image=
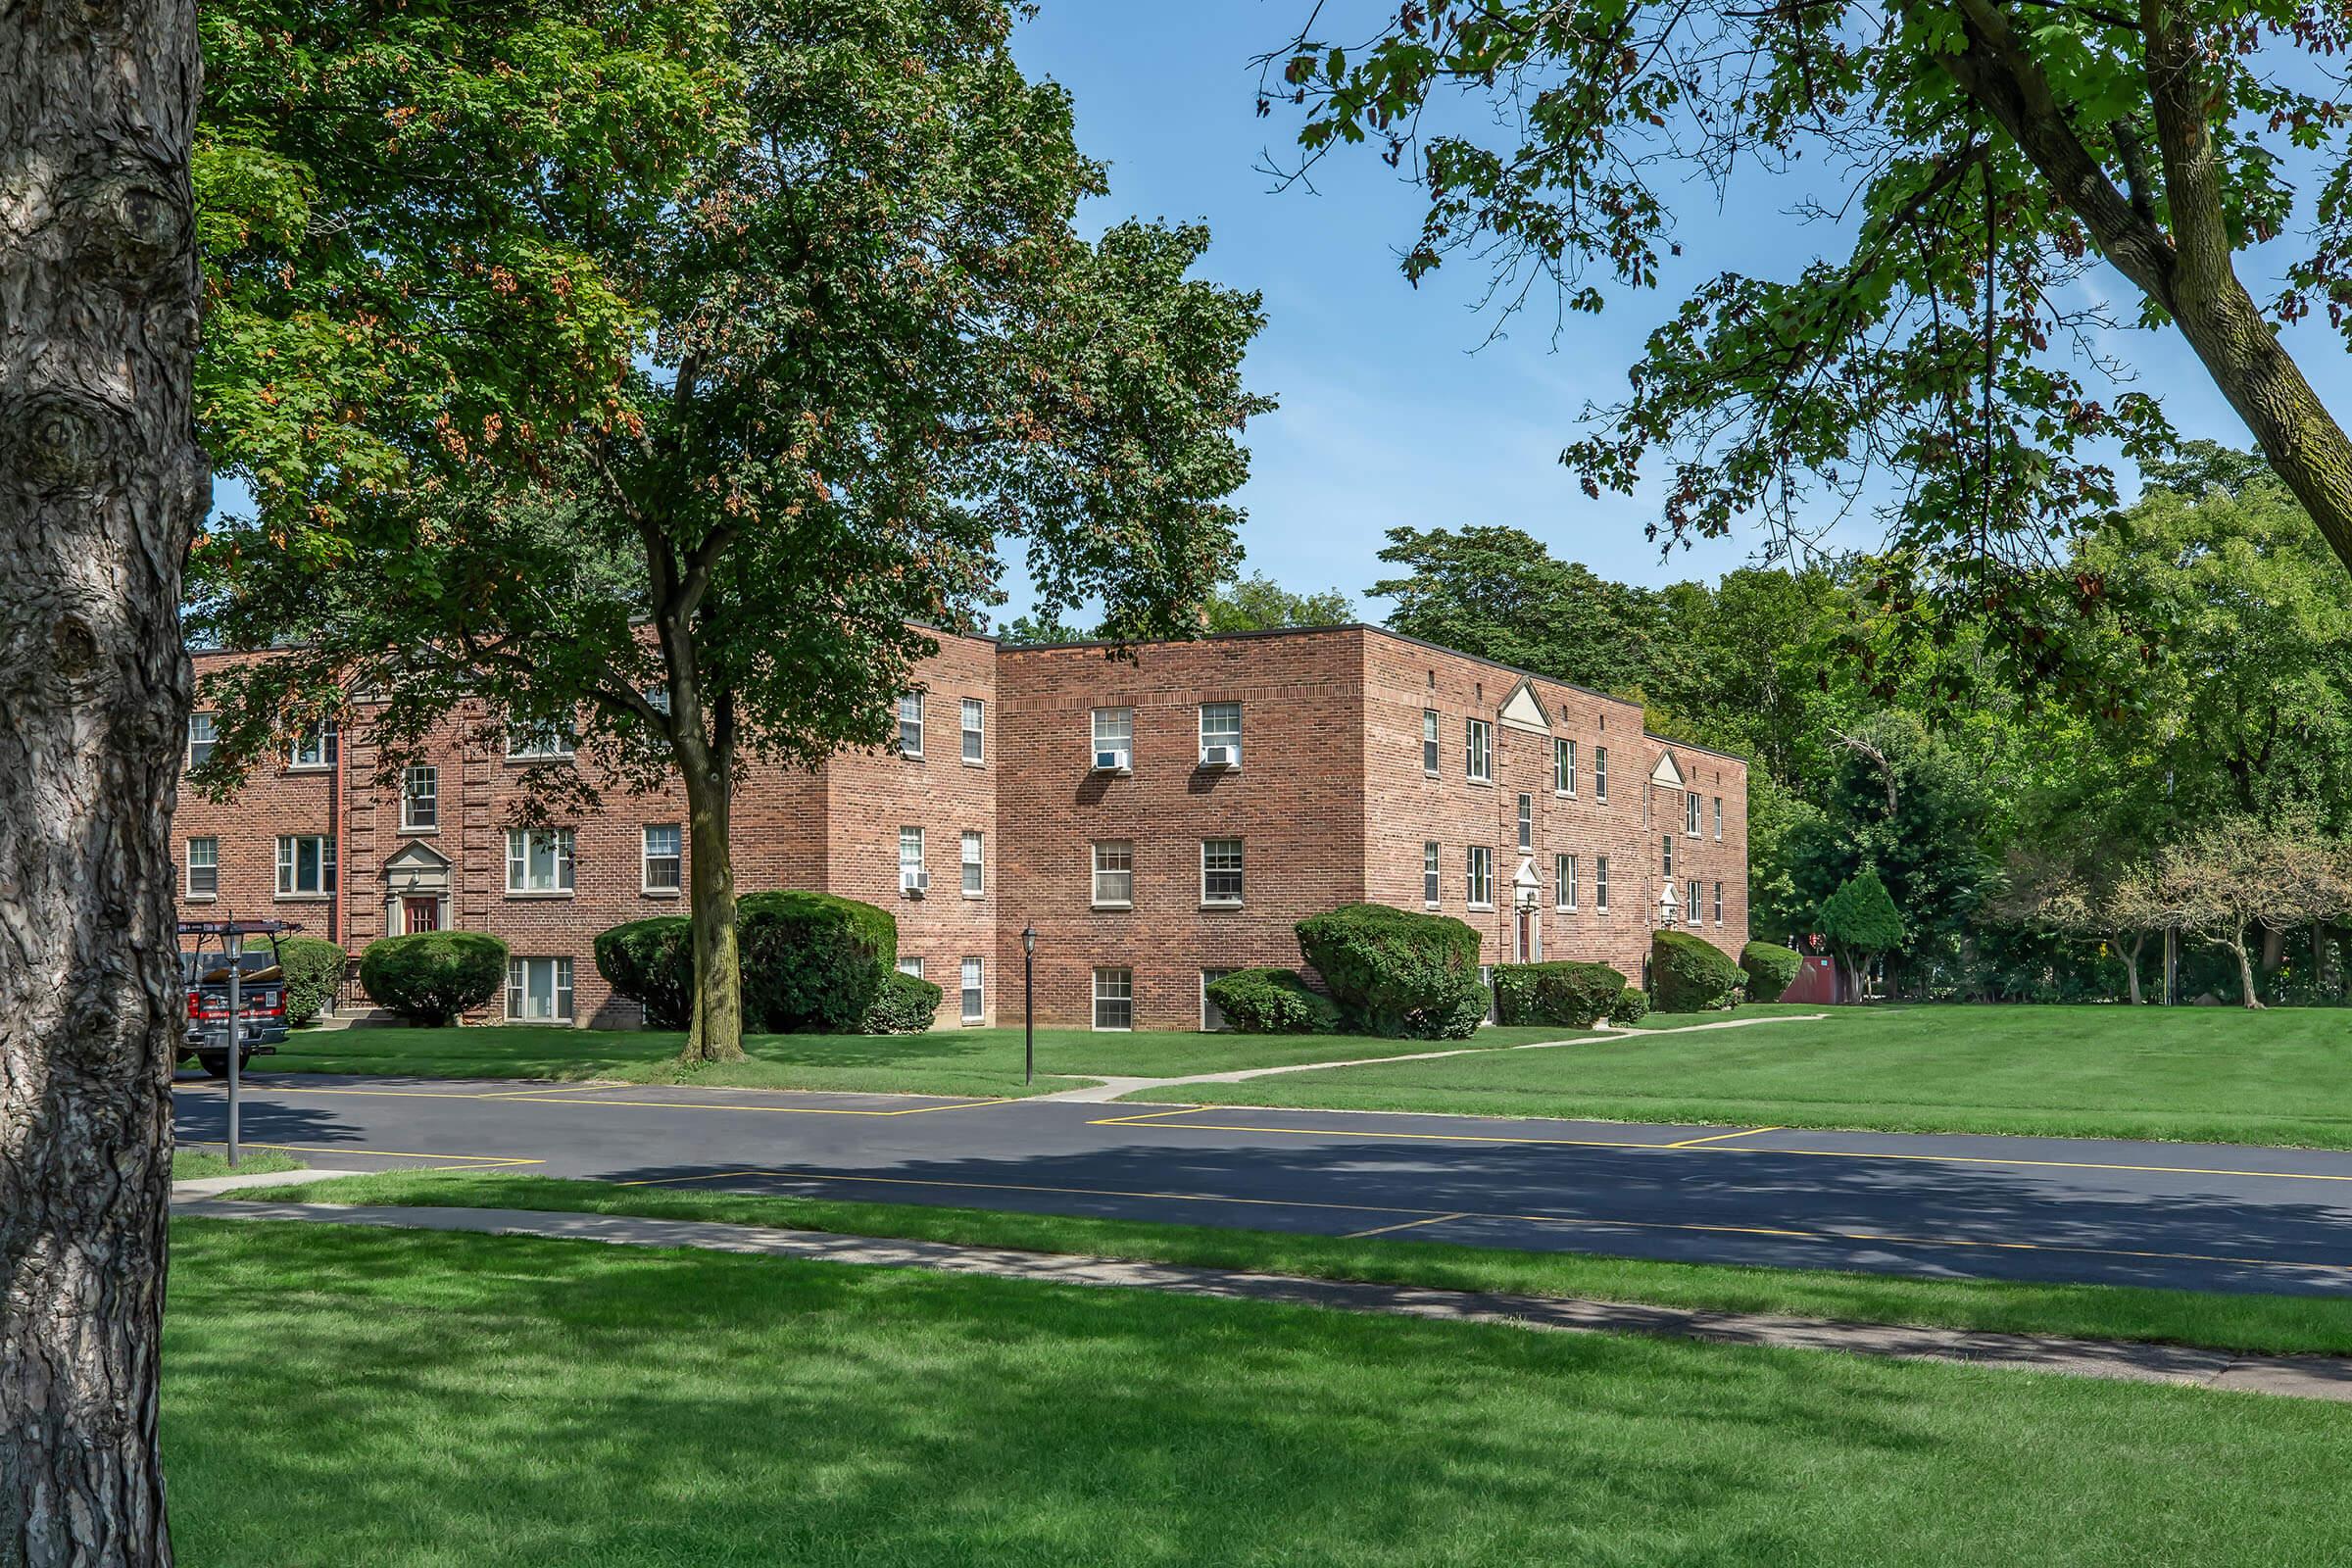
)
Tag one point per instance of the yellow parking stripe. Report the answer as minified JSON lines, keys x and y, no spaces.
{"x":1750,"y":1132}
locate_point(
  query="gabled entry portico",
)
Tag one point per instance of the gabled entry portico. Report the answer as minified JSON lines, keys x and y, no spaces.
{"x":416,"y":891}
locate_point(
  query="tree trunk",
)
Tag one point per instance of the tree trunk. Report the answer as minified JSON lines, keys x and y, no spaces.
{"x":2131,"y":968}
{"x":716,"y":1031}
{"x":101,"y":485}
{"x":2245,"y":971}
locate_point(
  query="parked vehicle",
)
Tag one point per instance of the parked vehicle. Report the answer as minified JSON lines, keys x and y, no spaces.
{"x":260,"y":991}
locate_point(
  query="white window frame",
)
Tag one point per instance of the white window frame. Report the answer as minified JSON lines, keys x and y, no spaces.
{"x":1692,"y":827}
{"x":1719,"y":904}
{"x":1600,"y":773}
{"x":1220,"y":901}
{"x":1433,"y":873}
{"x":410,"y":777}
{"x":289,"y":865}
{"x":910,"y":838}
{"x":1690,"y":902}
{"x":1217,"y":736}
{"x":1210,"y":977}
{"x":313,"y":751}
{"x":1526,"y":824}
{"x":1117,"y":851}
{"x":210,"y":739}
{"x":1478,"y":752}
{"x":560,"y":992}
{"x":1718,"y":819}
{"x":523,"y":842}
{"x":676,"y":855}
{"x":972,"y":861}
{"x":1477,"y":868}
{"x":913,"y":966}
{"x":1563,"y":880}
{"x":1666,"y":842}
{"x":1114,"y":983}
{"x":971,"y":975}
{"x":1601,"y":883}
{"x":910,"y":722}
{"x":1431,"y":743}
{"x":211,"y":866}
{"x":974,"y":716}
{"x":1112,"y":730}
{"x":547,"y":742}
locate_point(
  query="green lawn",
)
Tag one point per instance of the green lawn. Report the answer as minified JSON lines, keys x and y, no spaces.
{"x":944,"y":1062}
{"x":340,"y":1394}
{"x":193,"y":1163}
{"x":2195,"y":1074}
{"x":2273,"y":1324}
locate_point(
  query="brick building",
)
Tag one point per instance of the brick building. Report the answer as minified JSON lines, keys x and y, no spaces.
{"x":1157,"y":820}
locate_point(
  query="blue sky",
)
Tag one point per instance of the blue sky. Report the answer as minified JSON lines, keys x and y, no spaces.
{"x":1388,"y":415}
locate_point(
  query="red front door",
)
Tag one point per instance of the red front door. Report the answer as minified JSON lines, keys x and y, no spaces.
{"x":419,"y":914}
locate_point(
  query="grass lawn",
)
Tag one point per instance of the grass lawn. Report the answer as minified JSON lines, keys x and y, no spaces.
{"x":2273,"y":1324}
{"x":2195,"y":1074}
{"x":337,"y":1394}
{"x":195,"y":1164}
{"x":944,"y":1062}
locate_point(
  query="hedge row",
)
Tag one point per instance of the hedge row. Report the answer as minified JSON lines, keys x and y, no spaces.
{"x":1575,"y":995}
{"x":1690,"y":974}
{"x":1771,"y":969}
{"x":1397,"y":973}
{"x":1273,"y":1002}
{"x":809,"y":962}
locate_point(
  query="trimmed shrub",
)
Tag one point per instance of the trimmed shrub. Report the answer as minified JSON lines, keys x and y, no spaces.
{"x":1631,"y":1007}
{"x":433,"y":976}
{"x":1770,"y":969}
{"x":314,"y":969}
{"x":652,"y":964}
{"x":906,"y":1005}
{"x":1561,"y":992}
{"x":1273,"y":1002}
{"x":1398,"y":973}
{"x":811,"y":960}
{"x":1690,"y":974}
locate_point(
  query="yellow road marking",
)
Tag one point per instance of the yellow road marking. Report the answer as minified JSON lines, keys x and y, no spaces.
{"x":1352,"y":1132}
{"x":1426,"y":1216}
{"x":1694,"y":1142}
{"x":388,"y":1153}
{"x":778,"y":1111}
{"x":560,"y":1094}
{"x":1390,"y":1229}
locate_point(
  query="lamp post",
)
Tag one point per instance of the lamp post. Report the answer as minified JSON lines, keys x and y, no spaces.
{"x":1028,"y":1005}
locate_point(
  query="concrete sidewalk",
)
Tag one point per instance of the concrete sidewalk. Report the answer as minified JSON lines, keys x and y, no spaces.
{"x":2300,"y":1377}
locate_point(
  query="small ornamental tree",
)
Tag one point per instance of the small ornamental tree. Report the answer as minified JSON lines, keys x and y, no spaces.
{"x":1860,"y":922}
{"x":2238,"y":877}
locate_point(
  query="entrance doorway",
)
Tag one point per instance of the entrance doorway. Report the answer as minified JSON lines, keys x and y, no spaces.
{"x":419,"y":914}
{"x":1527,"y":943}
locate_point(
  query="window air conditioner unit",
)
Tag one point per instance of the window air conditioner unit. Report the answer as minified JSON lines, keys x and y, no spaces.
{"x":1220,"y":756}
{"x":915,"y":884}
{"x":1110,"y":761}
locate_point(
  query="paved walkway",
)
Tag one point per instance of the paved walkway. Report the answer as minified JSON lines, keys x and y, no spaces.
{"x":2300,"y":1377}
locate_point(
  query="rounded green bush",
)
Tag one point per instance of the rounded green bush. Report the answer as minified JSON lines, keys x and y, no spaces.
{"x":1631,"y":1007}
{"x":1771,"y":969}
{"x":1273,"y":1002}
{"x":433,"y":976}
{"x":1398,"y":973}
{"x":1563,"y":992}
{"x":906,"y":1004}
{"x":811,"y":960}
{"x":1690,"y":974}
{"x":314,"y":969}
{"x":652,"y":964}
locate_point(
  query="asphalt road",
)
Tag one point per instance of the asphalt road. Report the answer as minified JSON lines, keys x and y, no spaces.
{"x":2184,"y":1215}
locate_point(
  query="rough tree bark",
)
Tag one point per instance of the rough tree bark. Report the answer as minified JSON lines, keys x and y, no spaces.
{"x":101,"y":485}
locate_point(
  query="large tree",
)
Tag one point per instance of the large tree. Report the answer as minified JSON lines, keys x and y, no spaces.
{"x":1972,"y":160}
{"x":101,"y":485}
{"x":864,"y":343}
{"x":1498,"y":592}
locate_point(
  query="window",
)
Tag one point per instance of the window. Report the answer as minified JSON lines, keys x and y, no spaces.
{"x":1115,"y":999}
{"x":1115,"y":739}
{"x":1668,"y":842}
{"x":1429,"y":874}
{"x":975,"y":870}
{"x":1220,"y":870}
{"x":1563,"y":880}
{"x":1601,"y":883}
{"x":306,"y":865}
{"x":1691,"y":813}
{"x":1481,"y":877}
{"x":1718,"y":819}
{"x":1563,"y":767}
{"x":1429,"y":741}
{"x":1114,"y":874}
{"x":1526,"y":824}
{"x":975,"y":730}
{"x":911,"y":724}
{"x":419,"y":799}
{"x":1600,"y":772}
{"x":1212,"y":1016}
{"x":665,"y":857}
{"x":656,"y":697}
{"x":975,"y":992}
{"x":539,"y":860}
{"x":538,"y":742}
{"x":1690,"y":904}
{"x":1719,"y":904}
{"x":203,"y":731}
{"x":913,"y":966}
{"x":1221,"y":725}
{"x":204,"y":868}
{"x":1474,"y":744}
{"x":911,"y":860}
{"x":539,"y":989}
{"x":314,"y":748}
